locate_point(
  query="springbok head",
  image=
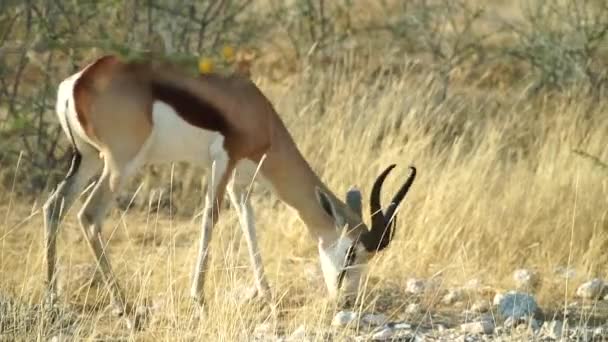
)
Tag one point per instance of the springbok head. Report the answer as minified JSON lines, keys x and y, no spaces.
{"x":344,"y":260}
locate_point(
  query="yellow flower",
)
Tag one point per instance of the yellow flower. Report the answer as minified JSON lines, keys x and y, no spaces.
{"x":205,"y":65}
{"x":228,"y":53}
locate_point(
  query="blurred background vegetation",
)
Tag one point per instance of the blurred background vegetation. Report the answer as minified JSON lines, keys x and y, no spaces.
{"x":534,"y":48}
{"x":501,"y":104}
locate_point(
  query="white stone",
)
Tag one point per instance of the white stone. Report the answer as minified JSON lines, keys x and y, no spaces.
{"x":497,"y":298}
{"x":402,"y":326}
{"x":479,"y":327}
{"x":415,"y":286}
{"x":374,"y":319}
{"x":413,"y":308}
{"x":591,"y":289}
{"x":61,"y":338}
{"x":383,"y":334}
{"x":453,"y":296}
{"x":553,"y":329}
{"x":344,"y":318}
{"x":299,"y":334}
{"x":600,"y":331}
{"x":525,"y":279}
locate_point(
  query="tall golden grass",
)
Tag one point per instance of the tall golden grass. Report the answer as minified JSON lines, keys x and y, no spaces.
{"x":499,"y":188}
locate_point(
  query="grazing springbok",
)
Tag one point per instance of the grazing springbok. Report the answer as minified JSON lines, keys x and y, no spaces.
{"x":122,"y":115}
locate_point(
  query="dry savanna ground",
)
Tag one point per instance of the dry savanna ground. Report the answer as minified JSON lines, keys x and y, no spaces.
{"x":504,"y":182}
{"x":495,"y":194}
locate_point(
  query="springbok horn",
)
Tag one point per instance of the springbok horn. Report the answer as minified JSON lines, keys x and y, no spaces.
{"x":383,"y":224}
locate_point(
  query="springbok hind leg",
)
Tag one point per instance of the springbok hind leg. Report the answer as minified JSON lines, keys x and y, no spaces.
{"x":84,"y":166}
{"x":91,"y":219}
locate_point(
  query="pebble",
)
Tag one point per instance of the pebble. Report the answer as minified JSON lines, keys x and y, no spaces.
{"x":415,"y":286}
{"x":553,"y":329}
{"x":401,"y":326}
{"x":61,"y":338}
{"x":343,"y":318}
{"x":517,"y":305}
{"x":525,"y":279}
{"x":374,"y":319}
{"x":453,"y":296}
{"x":497,"y":298}
{"x":299,"y":334}
{"x":479,"y":327}
{"x":591,"y":290}
{"x":522,"y":323}
{"x":383,"y":334}
{"x":413,"y":308}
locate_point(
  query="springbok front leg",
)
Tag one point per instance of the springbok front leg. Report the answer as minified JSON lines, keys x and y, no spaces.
{"x":85,"y":164}
{"x":220,"y":171}
{"x":237,"y":190}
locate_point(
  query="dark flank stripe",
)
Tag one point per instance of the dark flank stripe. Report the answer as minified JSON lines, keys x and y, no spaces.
{"x":191,"y":108}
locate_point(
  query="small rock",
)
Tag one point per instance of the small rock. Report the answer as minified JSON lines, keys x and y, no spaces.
{"x":517,"y":305}
{"x":401,"y":326}
{"x":553,"y":329}
{"x":343,"y":318}
{"x":600,"y":331}
{"x":415,"y":286}
{"x":534,"y":325}
{"x":525,"y":279}
{"x":374,"y":319}
{"x":413,"y":308}
{"x":591,"y":289}
{"x":383,"y":334}
{"x":61,"y":338}
{"x":479,"y":327}
{"x":263,"y":328}
{"x":299,"y":334}
{"x":453,"y":296}
{"x":521,"y":323}
{"x":497,"y":298}
{"x":440,"y":327}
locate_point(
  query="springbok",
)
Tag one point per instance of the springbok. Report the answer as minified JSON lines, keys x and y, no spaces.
{"x":121,"y":115}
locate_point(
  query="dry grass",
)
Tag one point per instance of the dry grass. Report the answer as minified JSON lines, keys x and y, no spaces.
{"x":499,"y":188}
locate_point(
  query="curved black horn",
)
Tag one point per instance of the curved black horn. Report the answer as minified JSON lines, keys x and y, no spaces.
{"x":399,"y":196}
{"x":373,"y":239}
{"x":383,"y":224}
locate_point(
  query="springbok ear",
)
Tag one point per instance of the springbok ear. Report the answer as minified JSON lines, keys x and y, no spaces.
{"x":354,"y":200}
{"x":329,"y":207}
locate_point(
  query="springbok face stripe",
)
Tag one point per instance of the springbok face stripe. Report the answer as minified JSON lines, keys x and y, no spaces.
{"x":349,"y":260}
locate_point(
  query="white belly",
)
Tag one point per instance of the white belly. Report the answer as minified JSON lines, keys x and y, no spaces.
{"x":175,"y":140}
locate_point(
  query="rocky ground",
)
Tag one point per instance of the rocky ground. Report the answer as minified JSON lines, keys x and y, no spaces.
{"x":512,"y":315}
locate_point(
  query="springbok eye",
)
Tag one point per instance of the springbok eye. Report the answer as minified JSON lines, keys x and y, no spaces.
{"x":349,"y":259}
